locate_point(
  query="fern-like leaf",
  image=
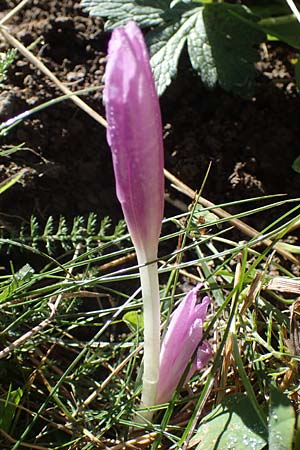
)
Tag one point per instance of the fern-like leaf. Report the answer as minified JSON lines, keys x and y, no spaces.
{"x":6,"y":59}
{"x":65,"y":234}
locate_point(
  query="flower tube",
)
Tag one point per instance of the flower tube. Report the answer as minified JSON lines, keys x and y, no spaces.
{"x":180,"y":343}
{"x":135,"y":136}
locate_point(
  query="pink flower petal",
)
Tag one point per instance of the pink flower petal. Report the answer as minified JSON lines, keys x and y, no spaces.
{"x":180,"y":343}
{"x":204,"y":354}
{"x":135,"y":136}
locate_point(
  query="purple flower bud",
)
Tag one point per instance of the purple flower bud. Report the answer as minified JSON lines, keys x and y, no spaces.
{"x":180,"y":343}
{"x":135,"y":137}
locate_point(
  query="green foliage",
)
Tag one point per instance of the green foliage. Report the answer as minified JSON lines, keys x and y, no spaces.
{"x":13,"y":179}
{"x":145,"y":12}
{"x":6,"y":59}
{"x":134,"y":320}
{"x":221,"y":54}
{"x":285,"y":28}
{"x":87,"y":232}
{"x":232,"y":425}
{"x":11,"y":150}
{"x":8,"y":408}
{"x":221,"y":38}
{"x":281,"y":421}
{"x":65,"y":340}
{"x":18,"y":279}
{"x":296,"y":165}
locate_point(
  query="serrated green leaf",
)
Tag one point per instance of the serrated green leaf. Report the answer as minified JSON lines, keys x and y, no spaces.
{"x":221,"y":38}
{"x":232,"y":425}
{"x":224,"y":53}
{"x":232,"y":45}
{"x":281,"y":421}
{"x":145,"y":13}
{"x":166,"y":43}
{"x":200,"y":53}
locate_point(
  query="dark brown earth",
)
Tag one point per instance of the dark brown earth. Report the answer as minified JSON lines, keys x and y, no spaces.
{"x":250,"y":143}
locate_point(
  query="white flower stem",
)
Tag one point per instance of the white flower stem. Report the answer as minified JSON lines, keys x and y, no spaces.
{"x":151,"y":300}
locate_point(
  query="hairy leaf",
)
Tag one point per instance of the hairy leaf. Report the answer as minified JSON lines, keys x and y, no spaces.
{"x":231,"y":37}
{"x":166,"y":44}
{"x":200,"y":52}
{"x":145,"y":13}
{"x":221,"y":38}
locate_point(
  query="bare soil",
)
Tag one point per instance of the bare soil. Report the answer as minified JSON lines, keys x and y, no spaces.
{"x":251,"y":144}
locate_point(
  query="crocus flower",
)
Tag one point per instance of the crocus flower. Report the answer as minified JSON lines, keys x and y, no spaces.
{"x":181,"y":340}
{"x":135,"y":136}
